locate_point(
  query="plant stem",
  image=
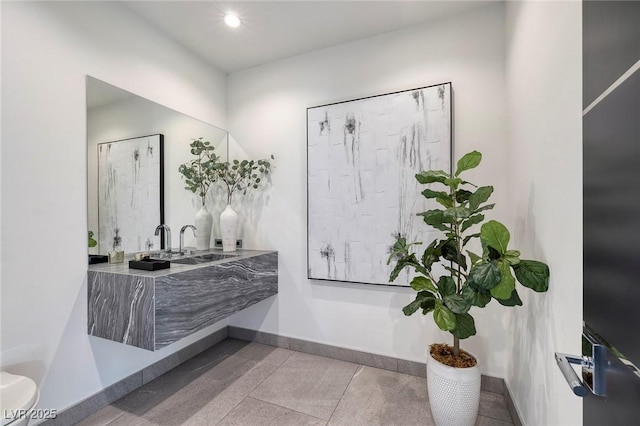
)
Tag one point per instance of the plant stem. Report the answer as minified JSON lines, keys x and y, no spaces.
{"x":456,"y":341}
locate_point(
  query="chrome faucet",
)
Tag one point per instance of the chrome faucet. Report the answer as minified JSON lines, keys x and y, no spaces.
{"x":168,"y":237}
{"x":184,"y":228}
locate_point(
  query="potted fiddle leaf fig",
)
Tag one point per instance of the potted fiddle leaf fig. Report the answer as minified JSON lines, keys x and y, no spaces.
{"x":470,"y":280}
{"x":238,"y":176}
{"x":199,"y":174}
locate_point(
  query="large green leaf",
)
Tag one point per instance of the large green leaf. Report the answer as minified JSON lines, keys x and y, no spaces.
{"x":404,"y":262}
{"x":450,"y":252}
{"x":533,"y":274}
{"x":468,"y":161}
{"x":474,"y":257}
{"x":514,"y":300}
{"x":439,"y":195}
{"x":446,"y":286}
{"x":457,"y":304}
{"x":428,"y":300}
{"x":453,"y":183}
{"x":428,"y":305}
{"x":496,"y":235}
{"x":420,"y":283}
{"x":512,"y":256}
{"x":444,"y":203}
{"x":444,"y":318}
{"x":507,"y":283}
{"x":462,"y":195}
{"x":400,"y":248}
{"x":422,"y":298}
{"x":435,"y":218}
{"x":485,"y":276}
{"x":431,"y":254}
{"x":489,"y":252}
{"x":476,"y":298}
{"x":465,"y":326}
{"x":481,"y":195}
{"x":483,"y":208}
{"x":431,"y":176}
{"x":452,"y":214}
{"x":472,"y":220}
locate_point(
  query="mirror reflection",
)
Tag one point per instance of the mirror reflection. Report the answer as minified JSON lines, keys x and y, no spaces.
{"x":134,"y":150}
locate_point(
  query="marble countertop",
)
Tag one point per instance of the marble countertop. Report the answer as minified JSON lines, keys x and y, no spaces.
{"x":123,"y":268}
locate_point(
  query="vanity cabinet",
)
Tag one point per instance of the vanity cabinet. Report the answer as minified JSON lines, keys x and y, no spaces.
{"x":152,"y":309}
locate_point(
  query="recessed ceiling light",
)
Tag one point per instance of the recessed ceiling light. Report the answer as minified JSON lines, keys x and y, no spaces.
{"x":232,"y":20}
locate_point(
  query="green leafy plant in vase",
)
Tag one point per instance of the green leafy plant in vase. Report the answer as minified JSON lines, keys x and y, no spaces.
{"x":238,"y":176}
{"x":199,"y":174}
{"x":471,"y":279}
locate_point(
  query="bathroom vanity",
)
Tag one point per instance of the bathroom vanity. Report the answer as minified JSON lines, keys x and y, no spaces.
{"x":152,"y":309}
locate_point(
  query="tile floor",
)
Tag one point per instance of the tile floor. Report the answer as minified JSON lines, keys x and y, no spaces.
{"x":241,"y":383}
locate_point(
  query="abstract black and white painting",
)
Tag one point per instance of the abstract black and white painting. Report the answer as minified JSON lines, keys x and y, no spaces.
{"x":130,"y":193}
{"x":362,"y":157}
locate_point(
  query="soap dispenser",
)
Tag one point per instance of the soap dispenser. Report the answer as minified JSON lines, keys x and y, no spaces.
{"x":117,"y":254}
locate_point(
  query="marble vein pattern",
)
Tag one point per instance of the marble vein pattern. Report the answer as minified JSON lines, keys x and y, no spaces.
{"x":151,"y":310}
{"x":131,"y":297}
{"x":213,"y":293}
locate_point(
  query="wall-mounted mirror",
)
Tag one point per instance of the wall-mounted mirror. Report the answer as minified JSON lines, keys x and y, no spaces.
{"x":134,"y":149}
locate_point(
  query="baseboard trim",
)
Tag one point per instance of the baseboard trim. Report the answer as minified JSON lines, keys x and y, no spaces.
{"x":511,"y":406}
{"x":85,"y":408}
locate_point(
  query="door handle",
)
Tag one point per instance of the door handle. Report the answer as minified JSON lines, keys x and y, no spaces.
{"x":594,"y":365}
{"x":576,"y":385}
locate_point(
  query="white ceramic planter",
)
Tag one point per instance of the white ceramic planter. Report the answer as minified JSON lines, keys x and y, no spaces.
{"x":203,"y":223}
{"x":454,"y":393}
{"x":229,"y":228}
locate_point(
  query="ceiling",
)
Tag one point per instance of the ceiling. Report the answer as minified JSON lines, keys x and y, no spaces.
{"x":274,"y":30}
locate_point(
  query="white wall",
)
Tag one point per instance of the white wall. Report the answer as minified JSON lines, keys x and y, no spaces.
{"x":47,"y":49}
{"x":267,"y":114}
{"x":136,"y":117}
{"x":544,"y":86}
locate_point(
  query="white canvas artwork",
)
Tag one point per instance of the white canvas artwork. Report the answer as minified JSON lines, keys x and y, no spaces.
{"x":362,"y":159}
{"x":130,"y":193}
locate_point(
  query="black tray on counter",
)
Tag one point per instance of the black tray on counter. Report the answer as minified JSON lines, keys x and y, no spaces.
{"x":149,"y":264}
{"x":97,"y":258}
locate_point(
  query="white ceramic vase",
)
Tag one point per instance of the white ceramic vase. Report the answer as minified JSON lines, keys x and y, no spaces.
{"x":454,"y":393}
{"x":203,"y":223}
{"x":229,"y":228}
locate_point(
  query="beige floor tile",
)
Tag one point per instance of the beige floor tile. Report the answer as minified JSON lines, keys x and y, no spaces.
{"x":493,"y":405}
{"x":381,"y":397}
{"x":255,"y":412}
{"x":103,"y":417}
{"x":205,"y":400}
{"x":308,"y":384}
